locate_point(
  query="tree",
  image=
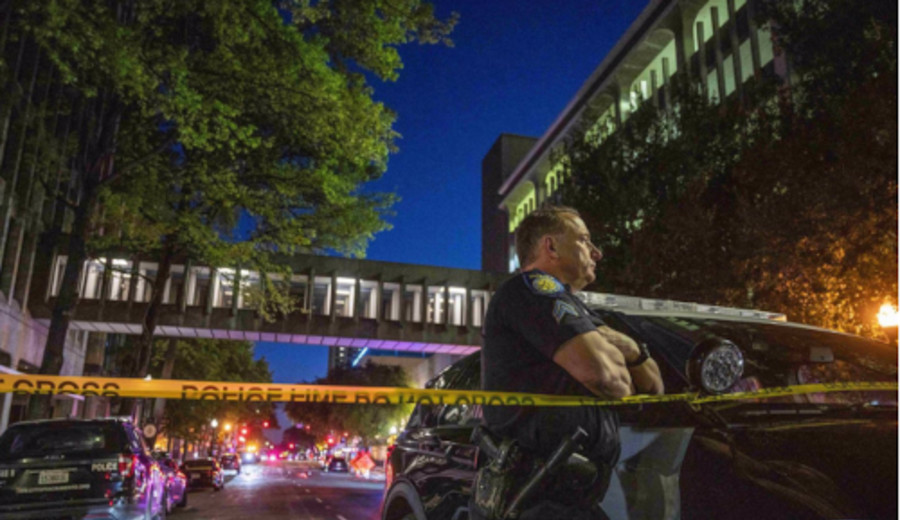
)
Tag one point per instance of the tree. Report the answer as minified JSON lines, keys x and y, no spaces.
{"x":212,"y":360}
{"x":366,"y":421}
{"x":785,"y":203}
{"x":253,"y":109}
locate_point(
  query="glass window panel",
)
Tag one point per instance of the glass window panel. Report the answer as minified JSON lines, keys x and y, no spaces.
{"x":199,"y":286}
{"x":457,"y":306}
{"x":390,"y":301}
{"x":321,"y":301}
{"x":728,"y":69}
{"x":224,"y":289}
{"x":249,"y":286}
{"x":413,"y":303}
{"x":368,"y":299}
{"x":344,"y":297}
{"x":298,"y":288}
{"x":479,"y":307}
{"x":120,"y":280}
{"x":174,"y":285}
{"x":93,"y":278}
{"x":58,"y":273}
{"x":144,"y":285}
{"x":435,"y":304}
{"x":712,"y":85}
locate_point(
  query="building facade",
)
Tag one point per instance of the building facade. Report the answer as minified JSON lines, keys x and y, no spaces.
{"x":716,"y":43}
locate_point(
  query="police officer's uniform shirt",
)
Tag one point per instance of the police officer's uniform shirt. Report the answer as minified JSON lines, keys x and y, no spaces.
{"x":529,"y":317}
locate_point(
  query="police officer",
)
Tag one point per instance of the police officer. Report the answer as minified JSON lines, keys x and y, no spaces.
{"x":540,"y":338}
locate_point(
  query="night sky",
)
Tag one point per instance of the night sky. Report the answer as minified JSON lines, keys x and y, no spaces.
{"x":514,"y":67}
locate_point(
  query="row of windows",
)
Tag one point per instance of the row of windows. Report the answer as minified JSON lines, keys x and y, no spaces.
{"x":663,"y":67}
{"x":415,"y":303}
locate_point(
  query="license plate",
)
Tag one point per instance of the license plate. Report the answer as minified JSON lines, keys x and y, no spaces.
{"x":49,"y":477}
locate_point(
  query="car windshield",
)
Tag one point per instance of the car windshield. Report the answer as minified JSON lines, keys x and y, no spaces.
{"x":777,"y":354}
{"x":41,"y":439}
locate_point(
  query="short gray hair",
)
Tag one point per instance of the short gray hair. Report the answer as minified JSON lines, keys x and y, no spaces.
{"x":549,"y":220}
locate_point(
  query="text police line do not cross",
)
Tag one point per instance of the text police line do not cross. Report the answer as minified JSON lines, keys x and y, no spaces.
{"x":241,"y":391}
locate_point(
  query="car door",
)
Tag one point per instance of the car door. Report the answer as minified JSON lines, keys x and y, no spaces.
{"x":440,"y":459}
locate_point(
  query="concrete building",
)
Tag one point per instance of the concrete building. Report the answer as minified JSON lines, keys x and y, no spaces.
{"x":27,"y":213}
{"x":717,"y":43}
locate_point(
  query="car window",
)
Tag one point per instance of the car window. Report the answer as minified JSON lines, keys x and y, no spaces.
{"x":134,"y":438}
{"x":428,"y":416}
{"x":467,"y":376}
{"x":60,"y":437}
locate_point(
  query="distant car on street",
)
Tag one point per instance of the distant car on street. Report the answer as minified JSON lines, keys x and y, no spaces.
{"x":73,"y":468}
{"x":230,"y":461}
{"x":337,"y":465}
{"x":803,"y":456}
{"x":176,"y":482}
{"x":204,"y":472}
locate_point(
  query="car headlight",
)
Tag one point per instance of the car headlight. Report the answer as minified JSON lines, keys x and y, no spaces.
{"x":715,"y":365}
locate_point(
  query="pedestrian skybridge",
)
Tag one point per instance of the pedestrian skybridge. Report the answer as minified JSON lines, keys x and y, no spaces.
{"x":340,"y":302}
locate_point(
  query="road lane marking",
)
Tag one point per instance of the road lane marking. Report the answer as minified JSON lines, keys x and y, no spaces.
{"x":319,"y":500}
{"x":341,"y":517}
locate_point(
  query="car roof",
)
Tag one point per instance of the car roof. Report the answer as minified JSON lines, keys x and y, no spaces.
{"x":727,"y":317}
{"x":60,"y":420}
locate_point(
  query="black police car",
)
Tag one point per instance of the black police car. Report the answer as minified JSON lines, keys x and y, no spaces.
{"x":819,"y":455}
{"x":67,"y":468}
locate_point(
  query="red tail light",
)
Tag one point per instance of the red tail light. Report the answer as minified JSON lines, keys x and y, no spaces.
{"x":127,"y":462}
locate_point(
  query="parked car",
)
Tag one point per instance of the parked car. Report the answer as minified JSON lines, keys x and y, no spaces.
{"x":204,"y":472}
{"x":819,"y":455}
{"x":176,"y":482}
{"x":337,"y":465}
{"x":230,"y":461}
{"x":73,"y":468}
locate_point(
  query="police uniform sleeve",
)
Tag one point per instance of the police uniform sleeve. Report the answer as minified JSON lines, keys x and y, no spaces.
{"x":544,"y":316}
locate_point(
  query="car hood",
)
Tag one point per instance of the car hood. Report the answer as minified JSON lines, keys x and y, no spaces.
{"x":820,"y":468}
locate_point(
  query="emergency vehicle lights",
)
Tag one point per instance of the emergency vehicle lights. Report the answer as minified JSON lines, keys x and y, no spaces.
{"x":716,"y":365}
{"x":634,"y":303}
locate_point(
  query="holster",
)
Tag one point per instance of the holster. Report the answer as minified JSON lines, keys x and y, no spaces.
{"x":497,"y":482}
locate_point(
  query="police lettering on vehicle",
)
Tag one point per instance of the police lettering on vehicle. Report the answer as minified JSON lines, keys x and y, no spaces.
{"x":104,"y":466}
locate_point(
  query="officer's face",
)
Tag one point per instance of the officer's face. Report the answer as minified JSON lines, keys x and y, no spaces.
{"x":578,"y":256}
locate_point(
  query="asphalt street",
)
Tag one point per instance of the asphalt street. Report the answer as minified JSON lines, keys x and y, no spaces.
{"x":278,"y":490}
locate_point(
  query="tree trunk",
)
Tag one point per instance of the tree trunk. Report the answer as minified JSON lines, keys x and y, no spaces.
{"x":96,"y":141}
{"x":39,"y":405}
{"x":141,"y":366}
{"x":159,"y":405}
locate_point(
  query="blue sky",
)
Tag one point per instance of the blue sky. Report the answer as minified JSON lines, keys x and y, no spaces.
{"x":514,"y":67}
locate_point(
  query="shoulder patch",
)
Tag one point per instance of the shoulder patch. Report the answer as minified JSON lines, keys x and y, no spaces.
{"x":541,"y":283}
{"x":562,"y":309}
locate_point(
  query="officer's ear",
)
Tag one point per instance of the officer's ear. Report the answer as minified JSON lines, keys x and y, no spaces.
{"x":550,"y":244}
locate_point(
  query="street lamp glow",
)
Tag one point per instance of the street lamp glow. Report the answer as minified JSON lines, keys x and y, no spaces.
{"x":214,"y":423}
{"x":227,"y":427}
{"x":888,"y":316}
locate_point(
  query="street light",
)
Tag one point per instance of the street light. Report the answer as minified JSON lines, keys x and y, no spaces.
{"x":214,"y":423}
{"x":227,"y":427}
{"x":889,"y":319}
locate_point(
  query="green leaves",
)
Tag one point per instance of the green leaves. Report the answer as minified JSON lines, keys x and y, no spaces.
{"x":251,"y":112}
{"x":789,"y":207}
{"x":367,"y":421}
{"x":211,"y":360}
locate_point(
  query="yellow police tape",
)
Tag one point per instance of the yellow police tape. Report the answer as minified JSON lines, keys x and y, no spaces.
{"x":240,"y":391}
